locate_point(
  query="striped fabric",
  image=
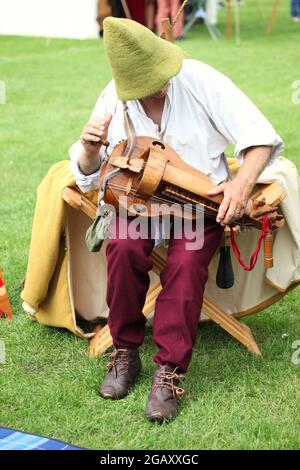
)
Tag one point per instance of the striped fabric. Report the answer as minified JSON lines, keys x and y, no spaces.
{"x":11,"y":439}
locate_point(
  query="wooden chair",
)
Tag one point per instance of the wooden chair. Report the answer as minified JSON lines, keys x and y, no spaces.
{"x":102,"y":339}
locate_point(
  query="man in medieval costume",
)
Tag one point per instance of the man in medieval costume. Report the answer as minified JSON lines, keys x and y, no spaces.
{"x":197,"y":111}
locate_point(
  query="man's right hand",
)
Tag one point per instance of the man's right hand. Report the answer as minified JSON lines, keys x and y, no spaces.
{"x":93,"y":133}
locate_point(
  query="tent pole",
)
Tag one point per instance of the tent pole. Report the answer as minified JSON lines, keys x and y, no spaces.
{"x":237,"y":23}
{"x":228,"y":19}
{"x":126,"y":9}
{"x":273,"y":16}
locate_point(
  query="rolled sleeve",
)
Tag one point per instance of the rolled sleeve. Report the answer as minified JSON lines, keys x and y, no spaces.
{"x":259,"y":138}
{"x":85,"y":183}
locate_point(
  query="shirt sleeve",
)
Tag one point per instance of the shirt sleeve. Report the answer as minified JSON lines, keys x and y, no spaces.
{"x":106,"y":103}
{"x":235,"y":116}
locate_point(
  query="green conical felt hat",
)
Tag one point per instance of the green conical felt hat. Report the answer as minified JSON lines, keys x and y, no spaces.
{"x":141,"y":62}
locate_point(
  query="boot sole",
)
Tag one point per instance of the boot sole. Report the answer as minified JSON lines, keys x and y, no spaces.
{"x":159,"y":418}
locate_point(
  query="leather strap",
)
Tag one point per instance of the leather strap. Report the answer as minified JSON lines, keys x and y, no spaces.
{"x":129,"y":130}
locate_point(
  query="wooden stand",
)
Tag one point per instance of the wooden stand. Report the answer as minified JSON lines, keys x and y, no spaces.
{"x":228,"y":20}
{"x":102,"y":339}
{"x":167,"y":30}
{"x":273,"y":16}
{"x":237,"y":25}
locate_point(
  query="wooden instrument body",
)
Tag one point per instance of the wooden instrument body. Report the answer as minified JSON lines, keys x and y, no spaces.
{"x":153,"y":177}
{"x":164,"y":162}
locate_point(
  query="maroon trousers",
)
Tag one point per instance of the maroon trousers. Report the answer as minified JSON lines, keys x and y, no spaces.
{"x":177,"y":306}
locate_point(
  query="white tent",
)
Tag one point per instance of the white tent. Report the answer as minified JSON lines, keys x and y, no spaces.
{"x":50,"y":18}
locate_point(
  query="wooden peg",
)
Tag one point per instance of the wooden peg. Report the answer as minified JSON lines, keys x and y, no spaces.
{"x":268,"y":249}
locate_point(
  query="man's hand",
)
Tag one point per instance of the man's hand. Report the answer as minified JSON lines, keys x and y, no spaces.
{"x":237,"y":191}
{"x":93,"y":133}
{"x":235,"y":200}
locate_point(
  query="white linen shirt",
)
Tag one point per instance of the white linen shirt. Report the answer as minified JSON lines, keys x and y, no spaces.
{"x":203,"y":112}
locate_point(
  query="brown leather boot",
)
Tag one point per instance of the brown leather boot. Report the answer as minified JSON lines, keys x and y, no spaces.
{"x":122,"y":371}
{"x":162,"y":401}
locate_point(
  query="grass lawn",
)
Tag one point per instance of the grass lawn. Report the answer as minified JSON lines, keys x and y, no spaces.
{"x":48,"y":385}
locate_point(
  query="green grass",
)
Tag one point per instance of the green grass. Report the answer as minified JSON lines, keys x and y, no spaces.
{"x":48,"y":385}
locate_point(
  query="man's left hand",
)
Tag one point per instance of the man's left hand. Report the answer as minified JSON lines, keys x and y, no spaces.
{"x":236,"y":196}
{"x":237,"y":191}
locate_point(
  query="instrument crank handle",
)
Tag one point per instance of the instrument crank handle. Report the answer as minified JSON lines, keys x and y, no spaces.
{"x":102,"y":142}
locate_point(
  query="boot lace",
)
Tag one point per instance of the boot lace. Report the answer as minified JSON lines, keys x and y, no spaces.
{"x":168,"y":379}
{"x":117,"y":359}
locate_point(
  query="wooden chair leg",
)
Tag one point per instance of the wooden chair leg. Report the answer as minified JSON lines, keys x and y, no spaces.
{"x":102,"y":339}
{"x":234,"y":327}
{"x":237,"y":329}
